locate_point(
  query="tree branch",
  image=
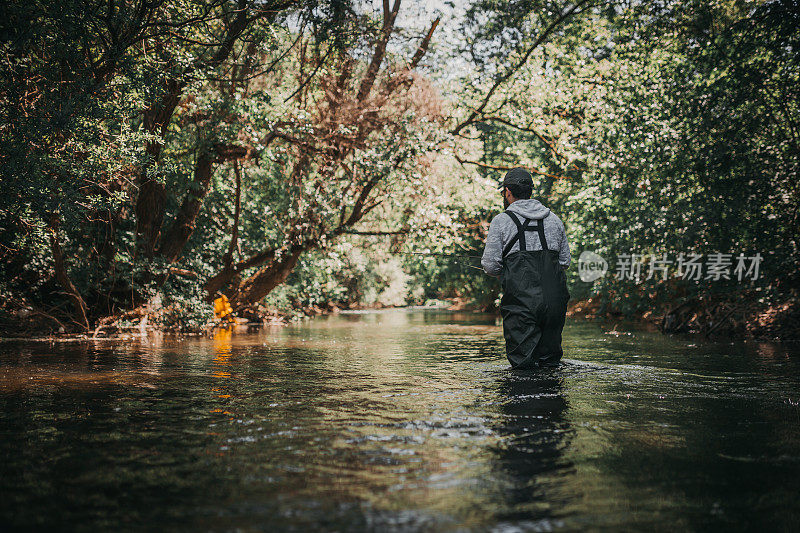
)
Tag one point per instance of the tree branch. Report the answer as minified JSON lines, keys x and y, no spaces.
{"x":504,"y":167}
{"x":423,"y":47}
{"x":500,"y":81}
{"x":183,"y":226}
{"x":62,"y":276}
{"x":402,"y":79}
{"x":380,"y":49}
{"x":529,"y":130}
{"x":357,"y":232}
{"x":311,"y":76}
{"x":228,"y":259}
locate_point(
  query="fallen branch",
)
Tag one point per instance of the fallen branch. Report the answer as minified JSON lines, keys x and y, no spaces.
{"x":183,"y":272}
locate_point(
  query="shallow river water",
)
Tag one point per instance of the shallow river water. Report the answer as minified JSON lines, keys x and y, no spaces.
{"x":399,"y":421}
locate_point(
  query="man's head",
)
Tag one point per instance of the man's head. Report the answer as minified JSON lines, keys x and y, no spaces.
{"x":517,"y":185}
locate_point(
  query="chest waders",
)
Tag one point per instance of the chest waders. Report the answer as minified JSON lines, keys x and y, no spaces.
{"x":534,"y":302}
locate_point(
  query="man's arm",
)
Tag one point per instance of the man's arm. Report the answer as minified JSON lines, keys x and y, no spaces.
{"x":564,"y":257}
{"x":492,"y":260}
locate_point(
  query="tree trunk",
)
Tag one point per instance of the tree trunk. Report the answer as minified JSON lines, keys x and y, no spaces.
{"x":151,"y":200}
{"x":182,"y":228}
{"x":219,"y":280}
{"x":152,"y":194}
{"x":262,"y":282}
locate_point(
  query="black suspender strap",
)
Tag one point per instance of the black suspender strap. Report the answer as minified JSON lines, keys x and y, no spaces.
{"x":520,"y":235}
{"x":540,"y":230}
{"x":528,"y":225}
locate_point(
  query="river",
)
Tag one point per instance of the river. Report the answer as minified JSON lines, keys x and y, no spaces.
{"x":399,"y":421}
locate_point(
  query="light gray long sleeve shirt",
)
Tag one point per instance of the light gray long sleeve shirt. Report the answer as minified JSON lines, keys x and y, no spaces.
{"x":502,"y":230}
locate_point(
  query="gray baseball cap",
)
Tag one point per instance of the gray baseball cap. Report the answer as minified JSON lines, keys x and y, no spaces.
{"x":517,"y":176}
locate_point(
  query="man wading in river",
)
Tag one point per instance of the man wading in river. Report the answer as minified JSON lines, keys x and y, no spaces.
{"x":527,"y":247}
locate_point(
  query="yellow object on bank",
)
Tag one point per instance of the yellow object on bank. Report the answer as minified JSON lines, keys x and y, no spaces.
{"x":222,"y":308}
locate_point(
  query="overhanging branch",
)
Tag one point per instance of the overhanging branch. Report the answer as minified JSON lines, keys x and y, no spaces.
{"x":505,"y":167}
{"x":505,"y":77}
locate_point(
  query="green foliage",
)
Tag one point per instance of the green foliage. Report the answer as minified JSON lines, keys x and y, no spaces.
{"x":651,"y":127}
{"x":345,"y":276}
{"x":663,"y":127}
{"x":704,"y":159}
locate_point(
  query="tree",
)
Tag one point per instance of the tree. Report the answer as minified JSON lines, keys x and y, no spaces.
{"x":348,"y":136}
{"x":90,"y":92}
{"x":118,"y":116}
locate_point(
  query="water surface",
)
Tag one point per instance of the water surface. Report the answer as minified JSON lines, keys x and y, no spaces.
{"x":399,"y":421}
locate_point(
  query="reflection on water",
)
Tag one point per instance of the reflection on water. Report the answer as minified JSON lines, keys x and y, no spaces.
{"x":535,"y":433}
{"x":399,"y":421}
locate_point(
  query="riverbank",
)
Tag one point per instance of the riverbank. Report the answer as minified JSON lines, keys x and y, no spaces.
{"x":777,"y":322}
{"x":29,"y":324}
{"x":736,"y":318}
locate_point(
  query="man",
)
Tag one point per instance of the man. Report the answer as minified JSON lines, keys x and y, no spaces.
{"x":527,"y":247}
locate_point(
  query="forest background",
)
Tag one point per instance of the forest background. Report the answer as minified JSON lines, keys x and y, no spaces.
{"x":301,"y":156}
